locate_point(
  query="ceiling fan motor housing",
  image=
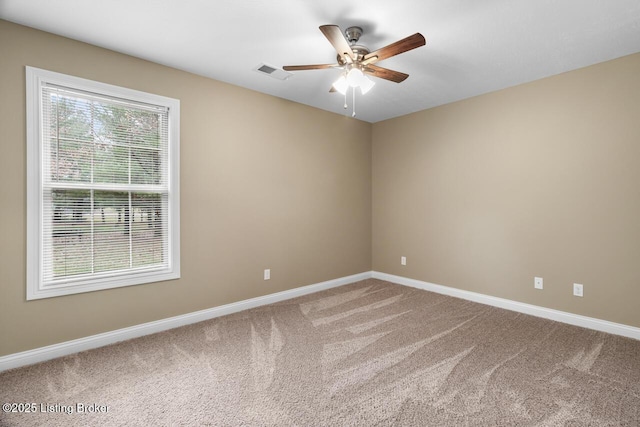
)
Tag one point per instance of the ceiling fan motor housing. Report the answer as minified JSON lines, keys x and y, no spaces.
{"x":359,"y":53}
{"x":353,"y":34}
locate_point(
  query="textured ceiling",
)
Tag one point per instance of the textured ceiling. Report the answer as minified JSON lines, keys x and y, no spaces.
{"x":473,"y":46}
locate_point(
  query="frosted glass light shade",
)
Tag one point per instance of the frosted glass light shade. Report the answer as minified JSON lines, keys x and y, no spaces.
{"x":366,"y":84}
{"x":341,"y":85}
{"x":355,"y":77}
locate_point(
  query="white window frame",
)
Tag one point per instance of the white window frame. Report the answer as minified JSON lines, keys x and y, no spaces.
{"x":35,"y":80}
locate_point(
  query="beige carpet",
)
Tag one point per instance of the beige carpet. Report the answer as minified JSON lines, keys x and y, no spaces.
{"x":371,"y":353}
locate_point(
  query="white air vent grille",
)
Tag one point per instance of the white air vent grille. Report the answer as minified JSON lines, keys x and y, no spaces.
{"x":272,"y":71}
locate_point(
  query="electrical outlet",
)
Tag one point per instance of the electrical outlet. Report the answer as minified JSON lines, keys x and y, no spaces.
{"x":578,"y":290}
{"x":403,"y":260}
{"x":537,"y":282}
{"x":267,"y":274}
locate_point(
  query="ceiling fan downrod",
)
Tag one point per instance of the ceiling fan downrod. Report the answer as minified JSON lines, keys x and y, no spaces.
{"x":353,"y":34}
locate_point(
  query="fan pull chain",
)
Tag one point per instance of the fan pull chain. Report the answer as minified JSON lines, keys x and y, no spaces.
{"x":353,"y":92}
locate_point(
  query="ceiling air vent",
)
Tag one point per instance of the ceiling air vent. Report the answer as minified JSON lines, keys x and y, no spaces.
{"x":266,"y":69}
{"x":272,"y":71}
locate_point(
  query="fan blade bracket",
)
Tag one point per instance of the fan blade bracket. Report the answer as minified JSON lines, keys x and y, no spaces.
{"x":369,"y":60}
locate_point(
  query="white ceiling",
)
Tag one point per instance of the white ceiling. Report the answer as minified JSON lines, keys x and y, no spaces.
{"x":473,"y":46}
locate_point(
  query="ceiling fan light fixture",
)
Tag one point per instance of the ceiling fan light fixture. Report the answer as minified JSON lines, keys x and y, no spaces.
{"x":354,"y":78}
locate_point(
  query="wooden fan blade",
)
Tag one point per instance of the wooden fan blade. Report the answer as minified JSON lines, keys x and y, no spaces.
{"x":385,"y":73}
{"x":333,"y":89}
{"x":333,"y":33}
{"x":308,"y":67}
{"x":396,"y":48}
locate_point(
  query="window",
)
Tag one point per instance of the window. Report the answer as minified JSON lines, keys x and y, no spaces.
{"x":102,"y":186}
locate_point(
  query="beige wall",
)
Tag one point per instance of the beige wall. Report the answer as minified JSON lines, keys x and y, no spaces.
{"x":541,"y":179}
{"x":265,"y":183}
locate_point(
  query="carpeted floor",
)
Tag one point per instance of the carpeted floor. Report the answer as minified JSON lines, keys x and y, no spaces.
{"x":370,"y":353}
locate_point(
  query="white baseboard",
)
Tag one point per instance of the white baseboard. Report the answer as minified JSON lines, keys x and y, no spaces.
{"x":63,"y":349}
{"x":42,"y":354}
{"x":534,"y":310}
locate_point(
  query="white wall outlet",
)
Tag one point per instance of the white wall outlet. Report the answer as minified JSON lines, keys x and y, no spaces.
{"x":403,"y":260}
{"x":267,"y":274}
{"x":577,"y":290}
{"x":538,"y":282}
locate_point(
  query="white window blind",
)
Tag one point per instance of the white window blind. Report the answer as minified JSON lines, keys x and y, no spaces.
{"x":106,"y":200}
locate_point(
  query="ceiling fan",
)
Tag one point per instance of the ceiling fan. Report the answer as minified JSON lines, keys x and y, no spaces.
{"x":356,"y":60}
